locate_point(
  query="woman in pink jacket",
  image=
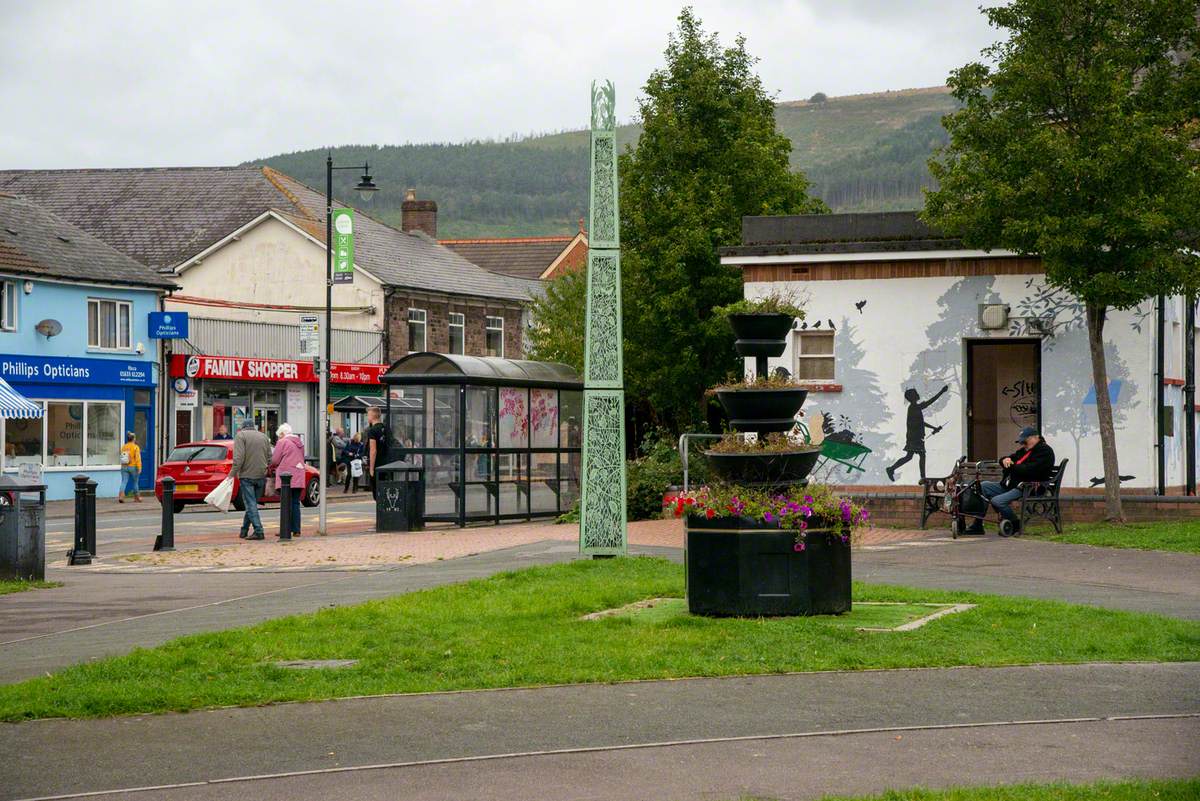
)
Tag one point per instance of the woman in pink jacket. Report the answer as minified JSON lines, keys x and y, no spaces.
{"x":288,"y":459}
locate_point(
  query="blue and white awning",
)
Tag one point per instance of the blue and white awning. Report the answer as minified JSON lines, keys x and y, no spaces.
{"x":15,"y":406}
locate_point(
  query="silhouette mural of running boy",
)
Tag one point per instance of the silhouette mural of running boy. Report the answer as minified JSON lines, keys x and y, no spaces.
{"x":914,"y":439}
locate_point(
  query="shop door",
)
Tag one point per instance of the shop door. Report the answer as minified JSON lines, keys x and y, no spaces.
{"x":266,"y":418}
{"x":143,"y":431}
{"x":1003,"y":395}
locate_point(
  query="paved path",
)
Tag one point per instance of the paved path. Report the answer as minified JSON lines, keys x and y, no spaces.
{"x":779,"y":736}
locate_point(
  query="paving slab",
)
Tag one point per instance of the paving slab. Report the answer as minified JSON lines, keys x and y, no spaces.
{"x":791,"y":769}
{"x":51,"y":757}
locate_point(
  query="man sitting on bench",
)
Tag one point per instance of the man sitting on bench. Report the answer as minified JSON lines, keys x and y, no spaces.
{"x":1034,"y":461}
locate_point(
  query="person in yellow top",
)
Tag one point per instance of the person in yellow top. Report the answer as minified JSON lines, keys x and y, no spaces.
{"x":131,"y":469}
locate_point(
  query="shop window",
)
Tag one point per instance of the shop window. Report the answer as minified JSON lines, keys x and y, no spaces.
{"x":104,"y":434}
{"x":23,"y":441}
{"x":458,"y":333}
{"x":8,"y":306}
{"x":64,"y":434}
{"x":109,"y":324}
{"x":814,"y":356}
{"x":495,"y":336}
{"x":416,"y":330}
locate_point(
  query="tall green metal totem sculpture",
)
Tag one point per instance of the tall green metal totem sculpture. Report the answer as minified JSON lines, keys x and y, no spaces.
{"x":602,"y":509}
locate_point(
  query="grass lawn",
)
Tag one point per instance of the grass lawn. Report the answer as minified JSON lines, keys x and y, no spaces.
{"x":1182,"y":535}
{"x":523,"y":628}
{"x":1177,"y":790}
{"x":12,"y":585}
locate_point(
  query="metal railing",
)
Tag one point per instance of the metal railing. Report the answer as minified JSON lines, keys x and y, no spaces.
{"x":683,"y":451}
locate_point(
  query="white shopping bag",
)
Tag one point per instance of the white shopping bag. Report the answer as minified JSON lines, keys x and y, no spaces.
{"x":222,"y":496}
{"x":356,"y":468}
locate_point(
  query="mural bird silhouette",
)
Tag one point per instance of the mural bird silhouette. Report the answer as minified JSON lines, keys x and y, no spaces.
{"x":914,"y":438}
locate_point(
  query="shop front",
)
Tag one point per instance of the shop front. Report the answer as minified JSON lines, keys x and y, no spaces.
{"x":212,"y":396}
{"x":88,"y":407}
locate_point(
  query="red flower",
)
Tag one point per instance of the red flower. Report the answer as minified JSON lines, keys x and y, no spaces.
{"x":710,"y":514}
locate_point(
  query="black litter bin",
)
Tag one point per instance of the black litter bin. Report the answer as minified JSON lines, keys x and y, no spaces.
{"x":399,"y":497}
{"x":22,"y":530}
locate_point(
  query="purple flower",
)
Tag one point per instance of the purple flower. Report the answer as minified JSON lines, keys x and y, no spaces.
{"x":767,"y":516}
{"x":799,"y":546}
{"x":808,"y":500}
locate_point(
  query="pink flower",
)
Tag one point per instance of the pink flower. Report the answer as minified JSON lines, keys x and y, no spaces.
{"x":799,"y":546}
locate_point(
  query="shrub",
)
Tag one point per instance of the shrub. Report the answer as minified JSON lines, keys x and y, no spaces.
{"x":649,"y":476}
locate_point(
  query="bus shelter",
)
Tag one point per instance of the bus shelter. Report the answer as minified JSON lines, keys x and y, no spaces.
{"x":498,"y":439}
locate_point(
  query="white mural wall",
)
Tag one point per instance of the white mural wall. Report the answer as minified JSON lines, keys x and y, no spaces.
{"x":896,"y":335}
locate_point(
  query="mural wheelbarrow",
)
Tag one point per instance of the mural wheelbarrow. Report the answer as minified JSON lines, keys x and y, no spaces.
{"x":851,"y":455}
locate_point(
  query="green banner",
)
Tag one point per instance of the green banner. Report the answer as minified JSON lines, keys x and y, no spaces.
{"x":343,"y":246}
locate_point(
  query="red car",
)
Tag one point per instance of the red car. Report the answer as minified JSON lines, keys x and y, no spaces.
{"x":198,"y":467}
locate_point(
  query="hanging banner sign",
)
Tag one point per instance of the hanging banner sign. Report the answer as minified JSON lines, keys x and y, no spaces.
{"x":168,"y":325}
{"x":343,"y":246}
{"x":239,"y":369}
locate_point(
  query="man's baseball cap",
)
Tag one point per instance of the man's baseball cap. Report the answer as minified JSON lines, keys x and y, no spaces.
{"x":1026,"y":433}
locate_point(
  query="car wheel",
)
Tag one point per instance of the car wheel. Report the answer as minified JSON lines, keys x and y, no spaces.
{"x":178,"y":506}
{"x":312,"y":493}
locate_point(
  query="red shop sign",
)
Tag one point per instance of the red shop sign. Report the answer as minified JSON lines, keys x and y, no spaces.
{"x":234,"y":368}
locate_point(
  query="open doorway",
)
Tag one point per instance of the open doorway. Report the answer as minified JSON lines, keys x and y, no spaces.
{"x":1004,"y":394}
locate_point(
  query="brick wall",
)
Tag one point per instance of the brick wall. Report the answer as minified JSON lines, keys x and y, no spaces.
{"x":437,"y":322}
{"x":904,"y":508}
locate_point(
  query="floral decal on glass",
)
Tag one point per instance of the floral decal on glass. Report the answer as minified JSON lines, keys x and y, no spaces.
{"x":543,"y":414}
{"x":514,"y":418}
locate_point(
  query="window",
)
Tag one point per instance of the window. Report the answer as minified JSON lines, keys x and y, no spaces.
{"x":458,"y":328}
{"x":495,"y":336}
{"x":71,"y":434}
{"x":109,"y":324}
{"x":416,"y":330}
{"x":8,"y":306}
{"x":814,"y":355}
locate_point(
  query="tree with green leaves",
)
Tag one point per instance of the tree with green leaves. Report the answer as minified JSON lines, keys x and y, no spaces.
{"x":708,"y":155}
{"x":558,"y":320}
{"x":1077,"y":143}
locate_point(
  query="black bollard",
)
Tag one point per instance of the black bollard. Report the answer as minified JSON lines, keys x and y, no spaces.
{"x":90,"y":501}
{"x":80,"y":555}
{"x":285,"y":508}
{"x":166,"y":540}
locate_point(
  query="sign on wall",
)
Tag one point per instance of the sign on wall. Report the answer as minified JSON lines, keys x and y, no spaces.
{"x":238,"y":369}
{"x":168,"y":325}
{"x":56,"y":370}
{"x":343,"y":246}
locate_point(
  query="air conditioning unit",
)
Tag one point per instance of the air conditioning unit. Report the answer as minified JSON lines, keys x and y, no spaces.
{"x":993,"y":316}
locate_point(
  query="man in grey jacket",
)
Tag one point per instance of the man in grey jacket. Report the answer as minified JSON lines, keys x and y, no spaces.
{"x":251,"y":456}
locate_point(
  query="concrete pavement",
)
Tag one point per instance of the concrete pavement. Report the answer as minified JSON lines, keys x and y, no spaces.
{"x":652,"y":739}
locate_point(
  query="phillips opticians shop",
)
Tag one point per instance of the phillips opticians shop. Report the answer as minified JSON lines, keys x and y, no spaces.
{"x":87,"y":406}
{"x":211,"y":396}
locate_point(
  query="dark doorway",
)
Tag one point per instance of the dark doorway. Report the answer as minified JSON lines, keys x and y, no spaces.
{"x":1004,"y":394}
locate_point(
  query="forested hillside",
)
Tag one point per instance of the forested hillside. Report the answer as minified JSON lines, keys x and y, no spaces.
{"x":862,"y":152}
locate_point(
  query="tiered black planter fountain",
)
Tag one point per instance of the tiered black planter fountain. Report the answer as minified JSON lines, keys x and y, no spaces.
{"x":742,"y":567}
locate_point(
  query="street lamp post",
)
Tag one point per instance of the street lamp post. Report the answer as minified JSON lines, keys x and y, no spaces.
{"x":366,"y":188}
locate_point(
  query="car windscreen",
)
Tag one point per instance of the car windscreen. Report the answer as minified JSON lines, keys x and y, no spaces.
{"x":203,"y":453}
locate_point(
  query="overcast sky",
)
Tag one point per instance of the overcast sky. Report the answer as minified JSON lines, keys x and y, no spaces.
{"x":176,"y":82}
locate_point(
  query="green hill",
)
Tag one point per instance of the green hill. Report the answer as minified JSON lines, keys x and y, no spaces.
{"x":861,"y":152}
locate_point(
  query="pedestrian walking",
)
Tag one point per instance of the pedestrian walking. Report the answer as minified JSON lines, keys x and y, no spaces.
{"x":351,"y":453}
{"x":131,"y":469}
{"x":288,"y":460}
{"x":251,"y":458}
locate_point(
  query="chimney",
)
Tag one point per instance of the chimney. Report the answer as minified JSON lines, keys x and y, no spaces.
{"x":418,"y":215}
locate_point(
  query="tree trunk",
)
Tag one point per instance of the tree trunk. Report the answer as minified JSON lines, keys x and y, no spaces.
{"x":1108,"y":436}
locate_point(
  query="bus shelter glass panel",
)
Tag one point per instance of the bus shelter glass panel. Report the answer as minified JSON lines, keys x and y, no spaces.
{"x":543,"y":482}
{"x":570,"y":419}
{"x":543,"y":418}
{"x":513,"y":484}
{"x":514,"y":417}
{"x":442,"y":485}
{"x":444,"y":420}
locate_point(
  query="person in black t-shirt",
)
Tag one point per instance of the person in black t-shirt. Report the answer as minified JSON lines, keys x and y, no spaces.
{"x":376,"y":439}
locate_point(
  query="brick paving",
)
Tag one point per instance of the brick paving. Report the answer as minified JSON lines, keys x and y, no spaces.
{"x":352,"y":544}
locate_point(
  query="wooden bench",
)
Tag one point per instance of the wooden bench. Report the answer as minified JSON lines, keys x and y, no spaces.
{"x":937,"y":493}
{"x":1040,"y":498}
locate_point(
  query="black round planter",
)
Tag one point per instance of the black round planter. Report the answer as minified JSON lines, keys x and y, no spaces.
{"x":786,"y":469}
{"x":746,"y":568}
{"x":762,"y":410}
{"x":760,"y":334}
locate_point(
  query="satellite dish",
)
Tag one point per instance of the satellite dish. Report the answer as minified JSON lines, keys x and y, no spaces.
{"x":48,"y":328}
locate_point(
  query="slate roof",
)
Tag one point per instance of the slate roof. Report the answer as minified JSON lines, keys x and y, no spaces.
{"x":871,"y":232}
{"x":165,"y":216}
{"x":523,"y":257}
{"x":35,"y":242}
